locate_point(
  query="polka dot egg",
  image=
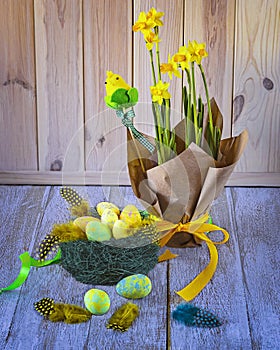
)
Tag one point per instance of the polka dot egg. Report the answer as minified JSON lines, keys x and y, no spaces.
{"x":134,"y":286}
{"x":97,"y":301}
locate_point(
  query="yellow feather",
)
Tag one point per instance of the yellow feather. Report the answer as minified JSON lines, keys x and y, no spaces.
{"x":114,"y":82}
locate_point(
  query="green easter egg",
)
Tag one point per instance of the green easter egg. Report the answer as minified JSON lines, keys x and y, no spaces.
{"x":96,"y":231}
{"x":97,"y":301}
{"x":82,"y":221}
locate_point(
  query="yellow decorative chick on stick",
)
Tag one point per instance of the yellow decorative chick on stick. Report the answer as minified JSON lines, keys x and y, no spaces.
{"x":119,"y":94}
{"x":122,"y":97}
{"x":115,"y":82}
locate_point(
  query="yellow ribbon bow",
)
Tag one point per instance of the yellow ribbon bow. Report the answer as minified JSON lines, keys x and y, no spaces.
{"x":196,"y":228}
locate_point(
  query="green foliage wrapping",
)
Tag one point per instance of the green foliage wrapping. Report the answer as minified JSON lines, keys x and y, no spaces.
{"x":94,"y":263}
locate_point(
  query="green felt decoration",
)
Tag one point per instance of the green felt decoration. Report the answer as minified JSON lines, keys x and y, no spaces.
{"x":122,"y":98}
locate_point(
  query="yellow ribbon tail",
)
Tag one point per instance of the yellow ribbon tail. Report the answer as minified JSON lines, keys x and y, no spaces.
{"x":196,"y":286}
{"x":167,"y":255}
{"x":196,"y":228}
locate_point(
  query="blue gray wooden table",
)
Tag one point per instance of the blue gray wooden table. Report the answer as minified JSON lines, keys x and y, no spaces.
{"x":244,"y":292}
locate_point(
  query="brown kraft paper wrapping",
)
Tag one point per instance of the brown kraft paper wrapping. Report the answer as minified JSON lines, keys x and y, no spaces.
{"x":183,"y":188}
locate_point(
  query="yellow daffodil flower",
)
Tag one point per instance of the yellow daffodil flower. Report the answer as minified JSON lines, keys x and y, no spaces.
{"x":171,"y":68}
{"x":143,"y":24}
{"x":151,"y":38}
{"x":159,"y":92}
{"x":196,"y":51}
{"x":154,"y":17}
{"x":182,"y":57}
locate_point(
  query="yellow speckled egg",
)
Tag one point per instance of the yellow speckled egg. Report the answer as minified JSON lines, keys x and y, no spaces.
{"x":97,"y":301}
{"x":109,"y":217}
{"x":82,"y":221}
{"x":107,"y":205}
{"x":121,"y":229}
{"x":96,"y":231}
{"x":130,"y":214}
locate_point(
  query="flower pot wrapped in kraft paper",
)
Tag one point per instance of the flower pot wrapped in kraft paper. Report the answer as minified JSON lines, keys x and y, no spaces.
{"x":183,"y":188}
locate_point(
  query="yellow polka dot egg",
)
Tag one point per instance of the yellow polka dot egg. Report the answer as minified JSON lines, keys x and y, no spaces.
{"x":97,"y":301}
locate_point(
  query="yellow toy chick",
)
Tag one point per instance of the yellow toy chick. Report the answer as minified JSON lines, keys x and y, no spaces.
{"x":115,"y":82}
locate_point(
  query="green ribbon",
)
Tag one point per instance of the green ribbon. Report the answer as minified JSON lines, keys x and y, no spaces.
{"x":26,"y":262}
{"x":126,"y":119}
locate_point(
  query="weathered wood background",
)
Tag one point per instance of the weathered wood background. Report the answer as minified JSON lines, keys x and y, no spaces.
{"x":53,"y":59}
{"x":244,"y":291}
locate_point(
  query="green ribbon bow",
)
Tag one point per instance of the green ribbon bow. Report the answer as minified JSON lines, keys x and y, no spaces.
{"x":26,"y":262}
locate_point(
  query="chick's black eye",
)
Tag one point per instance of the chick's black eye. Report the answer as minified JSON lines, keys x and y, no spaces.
{"x":105,"y":82}
{"x":117,"y":78}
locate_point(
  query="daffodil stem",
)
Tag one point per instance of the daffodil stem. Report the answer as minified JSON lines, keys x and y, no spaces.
{"x":157,"y":54}
{"x":158,"y":61}
{"x":153,"y":67}
{"x":188,"y":117}
{"x":194,"y":104}
{"x":208,"y":100}
{"x":159,"y":133}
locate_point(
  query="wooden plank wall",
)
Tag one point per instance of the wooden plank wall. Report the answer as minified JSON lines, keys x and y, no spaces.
{"x":54,"y":55}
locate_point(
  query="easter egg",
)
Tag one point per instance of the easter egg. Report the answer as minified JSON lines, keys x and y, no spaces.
{"x":96,"y":231}
{"x":107,"y":205}
{"x":109,"y":217}
{"x":121,"y":229}
{"x":82,"y":221}
{"x":134,"y":286}
{"x":97,"y":301}
{"x":130,"y":214}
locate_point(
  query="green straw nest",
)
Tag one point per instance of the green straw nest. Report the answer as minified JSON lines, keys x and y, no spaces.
{"x":97,"y":263}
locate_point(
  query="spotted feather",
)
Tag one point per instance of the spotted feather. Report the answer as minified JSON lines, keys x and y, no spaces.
{"x":193,"y":316}
{"x":48,"y":245}
{"x":71,"y":196}
{"x":45,"y":306}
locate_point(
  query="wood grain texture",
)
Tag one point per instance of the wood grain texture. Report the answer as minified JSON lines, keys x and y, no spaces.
{"x":257,"y":222}
{"x":153,"y":309}
{"x":107,"y":46}
{"x":22,"y":208}
{"x":18,"y":150}
{"x":244,"y":291}
{"x":53,"y":61}
{"x":212,"y":22}
{"x":171,"y":36}
{"x":52,"y":282}
{"x":224,"y":295}
{"x":111,"y":178}
{"x":59,"y":67}
{"x":256,"y":83}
